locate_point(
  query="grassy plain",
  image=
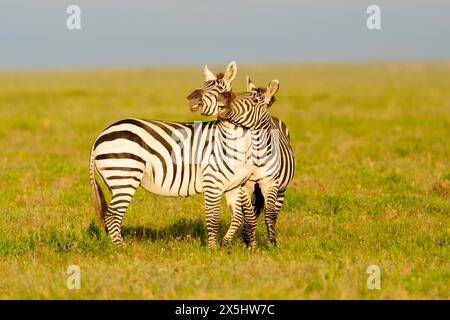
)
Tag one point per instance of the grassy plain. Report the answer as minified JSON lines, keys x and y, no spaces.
{"x":372,"y":144}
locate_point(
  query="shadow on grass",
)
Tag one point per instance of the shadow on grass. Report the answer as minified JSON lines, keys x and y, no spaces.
{"x":182,"y":229}
{"x":94,"y":239}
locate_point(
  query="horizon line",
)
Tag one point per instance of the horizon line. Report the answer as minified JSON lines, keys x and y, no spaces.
{"x":245,"y":63}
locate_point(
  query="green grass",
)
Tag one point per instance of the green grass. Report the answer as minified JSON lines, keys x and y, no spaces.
{"x":372,"y":187}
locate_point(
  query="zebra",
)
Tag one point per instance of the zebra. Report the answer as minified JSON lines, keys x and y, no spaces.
{"x":172,"y":159}
{"x":273,"y":168}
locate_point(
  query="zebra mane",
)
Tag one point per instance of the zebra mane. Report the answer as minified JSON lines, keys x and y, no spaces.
{"x":220,"y":75}
{"x":226,"y":97}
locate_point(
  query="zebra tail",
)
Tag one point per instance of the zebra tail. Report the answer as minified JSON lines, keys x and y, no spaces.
{"x":99,"y":198}
{"x":258,"y":201}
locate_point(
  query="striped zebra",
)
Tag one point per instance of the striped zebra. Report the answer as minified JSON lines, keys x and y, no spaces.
{"x":274,"y":163}
{"x":172,"y":159}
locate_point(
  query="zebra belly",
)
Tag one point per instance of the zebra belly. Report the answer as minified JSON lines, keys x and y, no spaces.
{"x":186,"y":189}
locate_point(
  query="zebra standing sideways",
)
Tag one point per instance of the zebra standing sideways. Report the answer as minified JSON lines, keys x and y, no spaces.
{"x":171,"y":159}
{"x":274,"y":162}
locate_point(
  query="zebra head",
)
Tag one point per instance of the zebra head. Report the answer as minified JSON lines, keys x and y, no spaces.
{"x":250,"y":109}
{"x":205,"y":98}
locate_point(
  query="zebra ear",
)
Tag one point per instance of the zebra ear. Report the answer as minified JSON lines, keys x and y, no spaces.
{"x":250,"y":85}
{"x":272,"y":88}
{"x":230,"y":73}
{"x":208,"y":74}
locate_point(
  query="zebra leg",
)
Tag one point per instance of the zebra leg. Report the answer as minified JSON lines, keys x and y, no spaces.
{"x":123,"y":183}
{"x":258,"y":206}
{"x":120,"y":201}
{"x":271,"y":212}
{"x":274,"y":217}
{"x":250,"y":219}
{"x":245,"y":233}
{"x":234,"y":202}
{"x":212,"y":208}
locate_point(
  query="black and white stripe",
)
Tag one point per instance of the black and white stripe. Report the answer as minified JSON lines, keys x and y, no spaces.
{"x":272,"y":154}
{"x":171,"y":159}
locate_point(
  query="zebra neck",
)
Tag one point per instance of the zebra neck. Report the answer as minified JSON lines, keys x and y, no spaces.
{"x":264,"y":125}
{"x":233,"y":140}
{"x":264,"y":142}
{"x":231,"y":128}
{"x":265,"y":134}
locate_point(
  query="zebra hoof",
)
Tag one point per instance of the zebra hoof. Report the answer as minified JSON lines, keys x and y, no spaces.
{"x":253,"y":247}
{"x":225,"y":243}
{"x":212,"y":246}
{"x":245,"y":241}
{"x":119,"y":244}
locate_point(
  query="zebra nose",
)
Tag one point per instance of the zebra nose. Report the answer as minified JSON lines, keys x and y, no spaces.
{"x":196,"y":94}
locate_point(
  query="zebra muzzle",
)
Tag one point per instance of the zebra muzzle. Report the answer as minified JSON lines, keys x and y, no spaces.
{"x":195,"y":100}
{"x":195,"y":105}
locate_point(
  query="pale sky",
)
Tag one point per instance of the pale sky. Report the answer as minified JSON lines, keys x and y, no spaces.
{"x":115,"y":33}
